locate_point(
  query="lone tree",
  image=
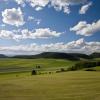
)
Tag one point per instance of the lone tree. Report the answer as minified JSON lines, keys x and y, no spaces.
{"x":34,"y":72}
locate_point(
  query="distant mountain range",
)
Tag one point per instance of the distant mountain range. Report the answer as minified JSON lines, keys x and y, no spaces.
{"x":56,"y":55}
{"x":3,"y":56}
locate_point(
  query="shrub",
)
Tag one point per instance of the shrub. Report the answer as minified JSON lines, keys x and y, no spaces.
{"x":34,"y":72}
{"x":90,"y":70}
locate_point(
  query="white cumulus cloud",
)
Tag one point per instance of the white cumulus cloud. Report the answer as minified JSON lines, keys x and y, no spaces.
{"x":78,"y":46}
{"x":38,"y":4}
{"x":13,"y":17}
{"x":42,"y":33}
{"x":84,"y":8}
{"x":83,"y":28}
{"x":20,"y":1}
{"x":58,"y":5}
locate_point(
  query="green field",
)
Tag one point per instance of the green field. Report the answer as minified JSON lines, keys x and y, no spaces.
{"x":77,"y":85}
{"x":97,"y":68}
{"x":9,"y":65}
{"x":12,"y":62}
{"x":17,"y":83}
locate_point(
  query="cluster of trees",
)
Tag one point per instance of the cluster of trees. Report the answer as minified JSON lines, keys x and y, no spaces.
{"x":82,"y":65}
{"x":77,"y":66}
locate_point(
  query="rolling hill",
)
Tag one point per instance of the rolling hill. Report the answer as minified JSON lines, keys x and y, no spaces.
{"x":56,"y":55}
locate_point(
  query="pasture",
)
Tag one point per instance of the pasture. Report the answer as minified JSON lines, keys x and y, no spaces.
{"x":17,"y":83}
{"x":10,"y":65}
{"x":77,"y":85}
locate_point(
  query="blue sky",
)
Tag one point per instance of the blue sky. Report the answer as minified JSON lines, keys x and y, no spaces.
{"x":52,"y":25}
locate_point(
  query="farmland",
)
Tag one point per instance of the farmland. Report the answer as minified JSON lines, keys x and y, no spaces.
{"x":76,"y":85}
{"x":17,"y":83}
{"x":8,"y":65}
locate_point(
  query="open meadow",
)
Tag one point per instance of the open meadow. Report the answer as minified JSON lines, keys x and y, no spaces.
{"x":17,"y":83}
{"x":9,"y":65}
{"x":76,"y":85}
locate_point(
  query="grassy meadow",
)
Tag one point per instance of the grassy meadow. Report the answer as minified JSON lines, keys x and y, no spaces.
{"x":8,"y":65}
{"x":17,"y":83}
{"x":76,"y":85}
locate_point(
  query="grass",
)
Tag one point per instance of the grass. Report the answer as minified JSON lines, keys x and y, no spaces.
{"x":77,"y":85}
{"x":33,"y":62}
{"x":18,"y":65}
{"x":17,"y":83}
{"x":97,"y":68}
{"x":97,"y":59}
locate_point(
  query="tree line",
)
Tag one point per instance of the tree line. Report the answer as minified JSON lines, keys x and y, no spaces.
{"x":85,"y":64}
